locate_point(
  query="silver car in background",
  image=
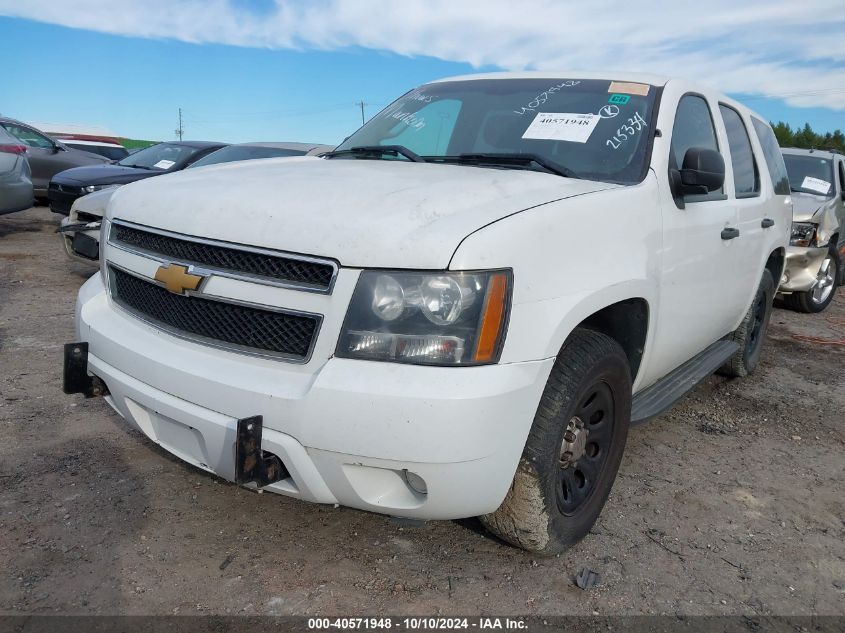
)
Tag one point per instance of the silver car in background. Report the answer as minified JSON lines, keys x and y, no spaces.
{"x":814,"y":258}
{"x":15,"y":175}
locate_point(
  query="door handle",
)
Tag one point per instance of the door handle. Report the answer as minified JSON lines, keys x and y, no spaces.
{"x":767,"y":223}
{"x":729,"y":233}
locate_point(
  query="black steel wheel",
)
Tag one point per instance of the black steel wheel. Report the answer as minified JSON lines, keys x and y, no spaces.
{"x":573,"y":450}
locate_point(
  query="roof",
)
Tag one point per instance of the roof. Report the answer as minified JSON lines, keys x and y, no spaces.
{"x":820,"y":153}
{"x":643,"y":78}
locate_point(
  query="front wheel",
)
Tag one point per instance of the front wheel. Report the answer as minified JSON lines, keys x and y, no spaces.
{"x":821,"y":294}
{"x":573,"y":450}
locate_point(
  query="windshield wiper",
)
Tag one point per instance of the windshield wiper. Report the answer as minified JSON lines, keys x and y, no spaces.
{"x":136,"y":166}
{"x":379,"y":150}
{"x":515,"y":159}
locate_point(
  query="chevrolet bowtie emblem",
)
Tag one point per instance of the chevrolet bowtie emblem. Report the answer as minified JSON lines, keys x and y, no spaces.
{"x":177,"y":279}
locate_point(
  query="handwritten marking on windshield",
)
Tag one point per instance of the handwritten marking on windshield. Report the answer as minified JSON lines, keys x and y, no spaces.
{"x":541,"y":98}
{"x":410,"y":119}
{"x":634,"y":125}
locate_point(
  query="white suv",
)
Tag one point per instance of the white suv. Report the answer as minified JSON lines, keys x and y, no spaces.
{"x":459,"y":311}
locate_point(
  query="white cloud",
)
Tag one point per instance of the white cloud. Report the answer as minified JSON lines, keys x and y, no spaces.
{"x":793,"y":50}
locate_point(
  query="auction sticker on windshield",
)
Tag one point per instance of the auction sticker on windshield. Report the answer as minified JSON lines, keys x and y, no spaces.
{"x":562,"y":126}
{"x":165,"y":164}
{"x":816,"y":184}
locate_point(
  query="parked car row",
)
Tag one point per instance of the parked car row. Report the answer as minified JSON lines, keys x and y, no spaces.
{"x":86,"y":192}
{"x":462,"y":309}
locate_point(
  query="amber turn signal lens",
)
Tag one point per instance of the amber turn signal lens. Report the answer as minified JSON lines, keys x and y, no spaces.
{"x":492,"y":320}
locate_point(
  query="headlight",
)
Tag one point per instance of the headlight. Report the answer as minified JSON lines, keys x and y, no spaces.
{"x":427,"y":318}
{"x":93,"y":188}
{"x":803,"y":234}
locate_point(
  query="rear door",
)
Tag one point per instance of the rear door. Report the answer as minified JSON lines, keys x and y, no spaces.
{"x":752,"y":220}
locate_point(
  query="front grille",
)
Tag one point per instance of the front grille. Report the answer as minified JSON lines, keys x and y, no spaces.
{"x":317,"y":275}
{"x":228,"y":324}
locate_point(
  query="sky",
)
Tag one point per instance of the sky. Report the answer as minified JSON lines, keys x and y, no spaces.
{"x":293,"y":70}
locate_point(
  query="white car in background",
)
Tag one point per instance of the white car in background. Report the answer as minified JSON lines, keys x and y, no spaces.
{"x":459,"y":311}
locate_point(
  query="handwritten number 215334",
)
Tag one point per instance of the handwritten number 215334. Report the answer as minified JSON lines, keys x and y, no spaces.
{"x":634,"y":125}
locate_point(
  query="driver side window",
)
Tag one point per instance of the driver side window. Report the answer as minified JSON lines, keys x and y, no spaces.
{"x":693,"y":127}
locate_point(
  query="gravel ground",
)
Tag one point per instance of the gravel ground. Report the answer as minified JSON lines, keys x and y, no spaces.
{"x":731,"y":503}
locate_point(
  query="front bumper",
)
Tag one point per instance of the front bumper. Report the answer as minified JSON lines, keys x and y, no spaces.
{"x":62,"y":200}
{"x":802,"y":268}
{"x":346,"y":431}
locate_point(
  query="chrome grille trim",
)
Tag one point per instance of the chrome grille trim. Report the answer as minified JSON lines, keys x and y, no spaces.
{"x":210,"y":269}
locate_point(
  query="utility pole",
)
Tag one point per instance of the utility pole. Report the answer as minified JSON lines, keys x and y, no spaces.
{"x":362,"y":104}
{"x":179,"y":129}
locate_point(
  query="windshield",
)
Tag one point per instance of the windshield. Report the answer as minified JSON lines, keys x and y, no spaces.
{"x":809,"y":174}
{"x":159,"y":157}
{"x":591,"y":129}
{"x":245,"y":152}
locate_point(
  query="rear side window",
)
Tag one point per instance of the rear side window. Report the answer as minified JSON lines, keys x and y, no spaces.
{"x":746,"y":179}
{"x":774,"y":159}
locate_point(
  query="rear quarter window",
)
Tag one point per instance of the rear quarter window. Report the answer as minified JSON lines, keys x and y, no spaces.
{"x":773,"y":156}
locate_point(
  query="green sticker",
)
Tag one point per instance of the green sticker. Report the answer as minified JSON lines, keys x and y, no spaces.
{"x":619,"y":99}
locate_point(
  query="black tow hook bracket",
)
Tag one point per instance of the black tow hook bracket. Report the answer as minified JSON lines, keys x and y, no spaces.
{"x":76,"y":377}
{"x":251,"y":463}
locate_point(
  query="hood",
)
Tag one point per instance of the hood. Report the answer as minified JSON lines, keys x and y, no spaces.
{"x":93,"y":203}
{"x":363,"y":213}
{"x":806,"y":205}
{"x":103,"y":175}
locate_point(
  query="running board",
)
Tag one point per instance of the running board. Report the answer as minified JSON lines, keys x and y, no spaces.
{"x":657,"y":398}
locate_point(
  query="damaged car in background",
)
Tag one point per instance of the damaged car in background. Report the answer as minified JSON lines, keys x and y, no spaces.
{"x":814,"y":259}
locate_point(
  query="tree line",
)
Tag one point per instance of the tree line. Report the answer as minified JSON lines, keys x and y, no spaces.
{"x":807,"y":138}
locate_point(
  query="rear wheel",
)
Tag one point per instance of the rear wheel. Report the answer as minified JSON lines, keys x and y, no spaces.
{"x":573,"y":450}
{"x":751,"y":333}
{"x":821,"y":295}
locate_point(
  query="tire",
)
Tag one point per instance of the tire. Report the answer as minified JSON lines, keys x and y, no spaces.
{"x":555,"y":499}
{"x":817,"y":300}
{"x":751,"y":333}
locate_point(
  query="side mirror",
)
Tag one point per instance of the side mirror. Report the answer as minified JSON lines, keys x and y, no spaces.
{"x":703,"y":171}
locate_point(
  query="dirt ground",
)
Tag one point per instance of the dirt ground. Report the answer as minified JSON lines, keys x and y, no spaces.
{"x":731,"y":503}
